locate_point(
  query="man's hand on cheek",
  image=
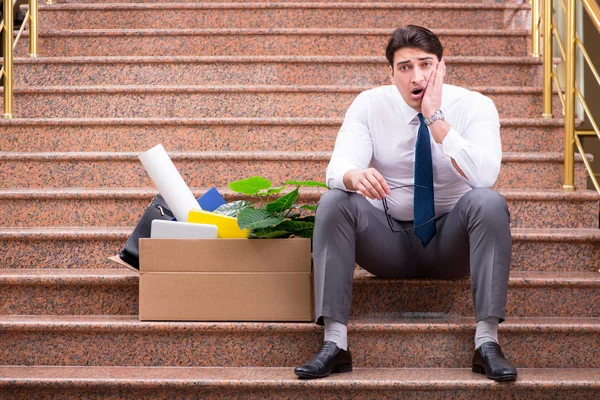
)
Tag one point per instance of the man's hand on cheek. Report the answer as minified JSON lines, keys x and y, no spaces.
{"x":432,"y":99}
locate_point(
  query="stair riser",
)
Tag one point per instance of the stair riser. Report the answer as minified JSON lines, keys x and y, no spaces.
{"x":225,"y":137}
{"x":61,"y":253}
{"x":259,"y":73}
{"x":356,"y":44}
{"x":126,"y":392}
{"x":54,"y":18}
{"x":533,"y":255}
{"x":92,"y":254}
{"x":116,"y":173}
{"x":369,"y":298}
{"x":424,"y":348}
{"x":111,"y":212}
{"x":224,"y":104}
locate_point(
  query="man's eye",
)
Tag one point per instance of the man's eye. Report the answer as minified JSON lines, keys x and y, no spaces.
{"x":403,"y":68}
{"x":428,"y":64}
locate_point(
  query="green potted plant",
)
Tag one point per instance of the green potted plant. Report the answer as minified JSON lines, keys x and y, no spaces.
{"x":278,"y":217}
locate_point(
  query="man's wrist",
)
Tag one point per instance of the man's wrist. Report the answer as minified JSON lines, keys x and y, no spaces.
{"x":438,"y":115}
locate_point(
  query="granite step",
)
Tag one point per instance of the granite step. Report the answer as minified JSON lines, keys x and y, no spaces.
{"x":376,"y":342}
{"x":264,"y":42}
{"x":113,"y":207}
{"x":167,"y":383}
{"x":558,"y":249}
{"x":281,"y":15}
{"x":115,"y":292}
{"x":231,"y":102}
{"x":213,"y":168}
{"x":259,"y":70}
{"x":226,"y":134}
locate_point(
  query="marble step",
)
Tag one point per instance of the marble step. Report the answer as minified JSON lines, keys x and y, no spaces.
{"x":169,"y":383}
{"x":229,"y":101}
{"x":564,"y":249}
{"x":115,"y":292}
{"x":260,"y":70}
{"x":264,"y":42}
{"x":226,"y":134}
{"x":214,"y":168}
{"x":375,"y":342}
{"x":282,"y":15}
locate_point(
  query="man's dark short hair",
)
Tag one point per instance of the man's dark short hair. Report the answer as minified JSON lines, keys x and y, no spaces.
{"x":413,"y":36}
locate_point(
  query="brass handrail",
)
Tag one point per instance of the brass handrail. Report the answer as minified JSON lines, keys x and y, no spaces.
{"x":588,"y":60}
{"x":593,"y":11}
{"x":7,"y":54}
{"x":21,"y":29}
{"x":535,"y":28}
{"x":568,"y":50}
{"x":569,"y":180}
{"x":7,"y":27}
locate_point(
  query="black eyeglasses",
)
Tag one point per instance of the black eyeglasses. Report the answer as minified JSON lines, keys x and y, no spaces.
{"x":389,"y":217}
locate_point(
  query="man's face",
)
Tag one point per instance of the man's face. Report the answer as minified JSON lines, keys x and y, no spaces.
{"x":410,"y":74}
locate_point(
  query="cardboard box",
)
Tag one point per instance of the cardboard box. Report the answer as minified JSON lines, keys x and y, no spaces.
{"x":226,"y":280}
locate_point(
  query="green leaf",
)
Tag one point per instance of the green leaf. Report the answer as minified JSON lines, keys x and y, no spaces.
{"x":283,"y":203}
{"x":250,"y":186}
{"x":310,"y":218}
{"x":232,"y":209}
{"x":305,"y":234}
{"x":252,"y":219}
{"x":269,"y":234}
{"x":308,"y":183}
{"x":309,"y":208}
{"x":274,"y":190}
{"x":295,"y":226}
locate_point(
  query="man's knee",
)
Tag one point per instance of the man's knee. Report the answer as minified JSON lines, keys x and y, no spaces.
{"x":336,"y":203}
{"x":331,"y":201}
{"x":485,"y":200}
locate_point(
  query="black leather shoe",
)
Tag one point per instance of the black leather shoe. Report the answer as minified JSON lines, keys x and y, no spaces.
{"x":489,"y":360}
{"x":329,"y":359}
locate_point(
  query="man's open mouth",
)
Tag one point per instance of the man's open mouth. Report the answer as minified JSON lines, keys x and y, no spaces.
{"x":417,"y":91}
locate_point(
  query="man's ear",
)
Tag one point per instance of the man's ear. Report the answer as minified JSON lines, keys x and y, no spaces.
{"x":391,"y":74}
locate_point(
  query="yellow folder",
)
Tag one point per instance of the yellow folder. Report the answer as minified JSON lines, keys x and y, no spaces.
{"x":227,"y":226}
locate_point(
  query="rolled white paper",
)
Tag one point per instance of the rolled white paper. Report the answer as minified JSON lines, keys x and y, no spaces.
{"x":169,"y":182}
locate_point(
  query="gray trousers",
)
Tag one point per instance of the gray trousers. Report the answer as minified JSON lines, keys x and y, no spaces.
{"x":473,"y":238}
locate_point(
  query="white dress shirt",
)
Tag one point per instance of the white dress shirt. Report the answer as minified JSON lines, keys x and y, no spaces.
{"x":380,"y":131}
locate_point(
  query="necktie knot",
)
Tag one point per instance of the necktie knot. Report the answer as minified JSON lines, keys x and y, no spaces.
{"x":421,"y":118}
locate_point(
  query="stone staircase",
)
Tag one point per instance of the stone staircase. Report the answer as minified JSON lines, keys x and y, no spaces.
{"x":236,"y":89}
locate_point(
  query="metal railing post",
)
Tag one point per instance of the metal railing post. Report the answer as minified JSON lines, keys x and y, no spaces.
{"x":7,"y":49}
{"x":569,"y":185}
{"x":547,"y":59}
{"x":33,"y":28}
{"x":535,"y":28}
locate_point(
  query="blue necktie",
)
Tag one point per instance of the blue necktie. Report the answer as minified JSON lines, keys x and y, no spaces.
{"x":424,"y":208}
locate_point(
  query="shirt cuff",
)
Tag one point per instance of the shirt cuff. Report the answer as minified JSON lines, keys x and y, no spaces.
{"x":453,"y":143}
{"x":335,"y":179}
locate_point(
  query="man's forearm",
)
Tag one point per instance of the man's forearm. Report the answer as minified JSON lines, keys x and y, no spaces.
{"x":439,"y":130}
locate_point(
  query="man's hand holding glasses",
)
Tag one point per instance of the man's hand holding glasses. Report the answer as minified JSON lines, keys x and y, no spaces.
{"x":367,"y":182}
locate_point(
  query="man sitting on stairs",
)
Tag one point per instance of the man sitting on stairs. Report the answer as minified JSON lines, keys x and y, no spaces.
{"x":410,"y":175}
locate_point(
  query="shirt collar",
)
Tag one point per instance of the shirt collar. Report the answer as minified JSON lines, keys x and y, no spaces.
{"x":407,"y":112}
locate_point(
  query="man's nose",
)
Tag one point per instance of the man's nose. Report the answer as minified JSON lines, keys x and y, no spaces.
{"x":418,"y":76}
